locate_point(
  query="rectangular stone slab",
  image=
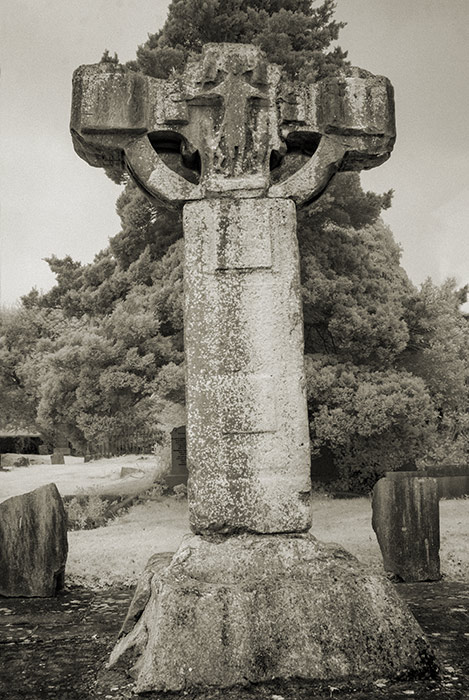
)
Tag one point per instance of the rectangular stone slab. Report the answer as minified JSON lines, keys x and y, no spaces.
{"x":406,"y":521}
{"x":33,"y":543}
{"x":247,"y":430}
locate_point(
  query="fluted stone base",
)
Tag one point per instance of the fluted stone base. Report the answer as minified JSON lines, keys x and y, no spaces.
{"x":254,"y":608}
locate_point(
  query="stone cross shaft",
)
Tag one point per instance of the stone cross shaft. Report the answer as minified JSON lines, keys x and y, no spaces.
{"x":220,"y":139}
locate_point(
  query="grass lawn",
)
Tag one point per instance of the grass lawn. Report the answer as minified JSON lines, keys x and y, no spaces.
{"x":117,"y":553}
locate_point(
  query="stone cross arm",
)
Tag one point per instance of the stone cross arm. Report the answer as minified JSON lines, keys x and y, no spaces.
{"x":230,"y":125}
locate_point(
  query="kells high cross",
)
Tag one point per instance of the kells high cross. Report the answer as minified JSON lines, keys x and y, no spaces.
{"x":249,"y":596}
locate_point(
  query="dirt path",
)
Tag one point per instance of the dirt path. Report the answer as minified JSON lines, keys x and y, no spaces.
{"x":55,"y":649}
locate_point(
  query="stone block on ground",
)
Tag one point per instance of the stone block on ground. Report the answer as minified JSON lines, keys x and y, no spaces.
{"x":13,"y":459}
{"x":406,"y":521}
{"x":7,"y":459}
{"x":178,"y":474}
{"x":131,"y":471}
{"x":33,"y":543}
{"x":57,"y":458}
{"x":254,"y":608}
{"x":62,"y":450}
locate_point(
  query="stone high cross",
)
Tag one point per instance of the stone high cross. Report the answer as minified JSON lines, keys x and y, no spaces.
{"x":262,"y":599}
{"x":237,"y":125}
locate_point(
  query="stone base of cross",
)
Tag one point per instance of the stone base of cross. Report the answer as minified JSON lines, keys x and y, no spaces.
{"x":252,"y":608}
{"x":250,"y":596}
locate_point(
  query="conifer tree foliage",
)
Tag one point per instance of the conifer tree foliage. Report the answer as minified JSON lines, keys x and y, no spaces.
{"x":106,"y":345}
{"x":20,"y":338}
{"x":438,"y":353}
{"x":295,"y":34}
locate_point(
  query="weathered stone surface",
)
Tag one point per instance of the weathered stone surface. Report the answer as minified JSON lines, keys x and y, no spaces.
{"x":452,"y":486}
{"x":247,"y":609}
{"x":179,"y":472}
{"x":230,"y":112}
{"x":247,"y":423}
{"x":406,"y":521}
{"x":33,"y":543}
{"x":231,"y":109}
{"x":155,"y":566}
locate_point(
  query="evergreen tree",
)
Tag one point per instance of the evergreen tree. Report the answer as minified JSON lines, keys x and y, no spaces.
{"x":438,"y":353}
{"x":293,"y":34}
{"x":372,"y":341}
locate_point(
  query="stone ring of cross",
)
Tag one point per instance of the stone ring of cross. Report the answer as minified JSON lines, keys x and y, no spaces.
{"x":229,"y":125}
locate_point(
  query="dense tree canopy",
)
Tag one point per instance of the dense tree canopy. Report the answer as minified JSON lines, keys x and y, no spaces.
{"x":293,"y":33}
{"x":387,"y":365}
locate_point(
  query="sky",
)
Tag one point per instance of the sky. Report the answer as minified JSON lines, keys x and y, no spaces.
{"x":53,"y":203}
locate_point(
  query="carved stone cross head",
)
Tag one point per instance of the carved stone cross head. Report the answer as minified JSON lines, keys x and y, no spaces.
{"x":235,"y":124}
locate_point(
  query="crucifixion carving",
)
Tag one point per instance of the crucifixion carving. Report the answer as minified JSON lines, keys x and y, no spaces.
{"x":233,"y":113}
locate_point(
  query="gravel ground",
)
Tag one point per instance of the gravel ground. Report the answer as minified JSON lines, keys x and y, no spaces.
{"x":56,"y":649}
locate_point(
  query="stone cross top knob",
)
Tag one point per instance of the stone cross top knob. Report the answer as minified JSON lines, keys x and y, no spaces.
{"x":237,"y":129}
{"x":231,"y":116}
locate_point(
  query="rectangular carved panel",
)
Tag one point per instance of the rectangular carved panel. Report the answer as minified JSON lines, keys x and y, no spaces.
{"x":237,"y":241}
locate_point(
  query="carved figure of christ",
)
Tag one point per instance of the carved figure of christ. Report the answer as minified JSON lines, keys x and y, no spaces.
{"x":230,"y":144}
